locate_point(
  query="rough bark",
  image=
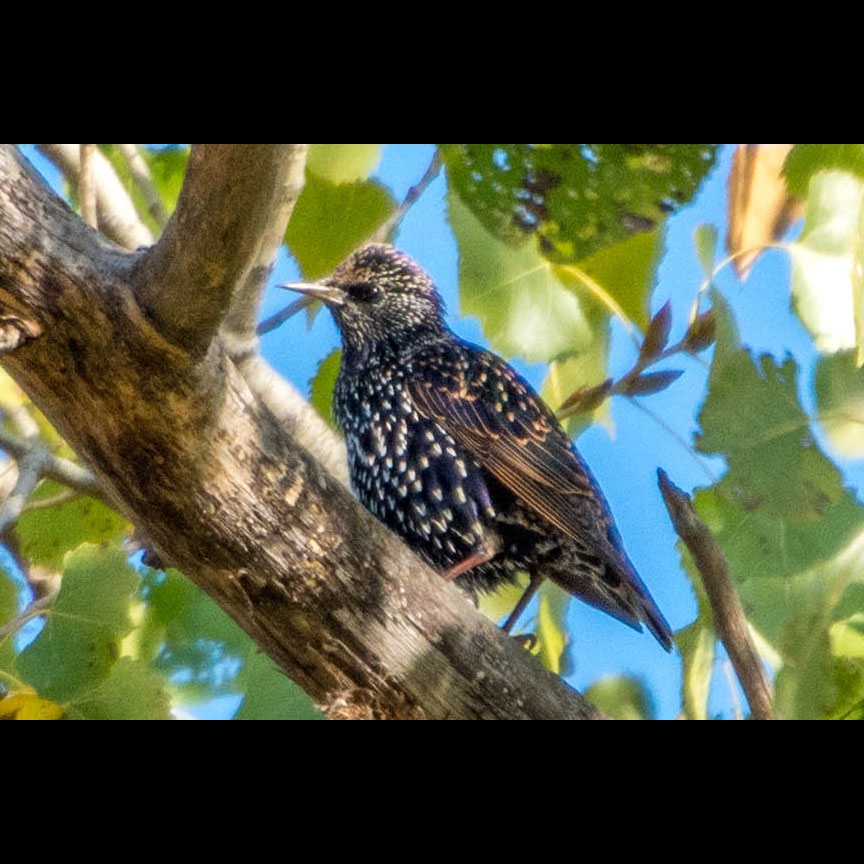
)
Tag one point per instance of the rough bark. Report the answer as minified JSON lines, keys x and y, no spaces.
{"x":220,"y":488}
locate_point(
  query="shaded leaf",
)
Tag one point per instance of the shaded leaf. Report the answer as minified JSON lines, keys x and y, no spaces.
{"x":270,"y":695}
{"x":577,"y":198}
{"x":807,"y":160}
{"x":9,"y":609}
{"x":622,"y":699}
{"x":46,"y":536}
{"x":90,"y":617}
{"x":754,"y":419}
{"x":322,"y":385}
{"x":131,"y":692}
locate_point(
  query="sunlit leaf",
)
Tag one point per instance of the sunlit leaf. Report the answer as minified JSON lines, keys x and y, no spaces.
{"x":332,"y":219}
{"x":525,"y":308}
{"x":24,"y":706}
{"x":826,"y":288}
{"x":343,"y":163}
{"x":552,"y":636}
{"x":707,"y":243}
{"x":840,"y":394}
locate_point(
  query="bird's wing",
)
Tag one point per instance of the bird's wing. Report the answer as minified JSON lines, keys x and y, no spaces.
{"x":495,"y":415}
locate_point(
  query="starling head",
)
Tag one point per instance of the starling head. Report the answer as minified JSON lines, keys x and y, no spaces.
{"x":376,"y":294}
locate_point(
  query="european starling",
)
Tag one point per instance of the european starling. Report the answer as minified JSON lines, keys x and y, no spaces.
{"x":457,"y":454}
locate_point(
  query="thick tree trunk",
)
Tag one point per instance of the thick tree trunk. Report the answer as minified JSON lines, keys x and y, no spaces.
{"x":155,"y":407}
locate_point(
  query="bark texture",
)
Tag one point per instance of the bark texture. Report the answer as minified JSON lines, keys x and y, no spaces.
{"x":150,"y":399}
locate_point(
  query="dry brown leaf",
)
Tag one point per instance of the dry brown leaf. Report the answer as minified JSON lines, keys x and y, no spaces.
{"x":761,"y":210}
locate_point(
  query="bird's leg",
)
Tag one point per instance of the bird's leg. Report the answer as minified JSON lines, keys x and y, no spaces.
{"x":522,"y":605}
{"x":467,"y":565}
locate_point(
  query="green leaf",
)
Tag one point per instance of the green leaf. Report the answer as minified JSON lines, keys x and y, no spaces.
{"x":525,"y":308}
{"x":343,"y":163}
{"x":622,"y":699}
{"x":46,"y":536}
{"x":805,"y":688}
{"x":81,"y":641}
{"x":131,"y":692}
{"x":707,"y":243}
{"x":567,"y":377}
{"x":840,"y":395}
{"x":807,"y":160}
{"x":270,"y":695}
{"x":760,"y":546}
{"x":826,"y":283}
{"x":322,"y":386}
{"x":849,"y":681}
{"x":577,"y":198}
{"x":168,"y":169}
{"x":331,"y":220}
{"x":9,"y":608}
{"x":552,"y":636}
{"x":627,"y":272}
{"x":754,"y":419}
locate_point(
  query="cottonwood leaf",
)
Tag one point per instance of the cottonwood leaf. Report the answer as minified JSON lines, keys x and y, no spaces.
{"x":332,"y":219}
{"x":85,"y":627}
{"x":343,"y":163}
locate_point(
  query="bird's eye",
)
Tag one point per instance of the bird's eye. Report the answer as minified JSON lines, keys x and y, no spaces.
{"x":364,"y":292}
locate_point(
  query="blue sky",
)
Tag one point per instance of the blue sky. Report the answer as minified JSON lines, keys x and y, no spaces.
{"x":625,"y":463}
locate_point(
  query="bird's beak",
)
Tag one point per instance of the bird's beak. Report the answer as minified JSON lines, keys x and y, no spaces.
{"x":327,"y":295}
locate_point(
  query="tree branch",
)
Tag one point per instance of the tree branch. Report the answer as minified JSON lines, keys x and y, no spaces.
{"x":220,"y":245}
{"x":87,"y":186}
{"x":140,"y":172}
{"x":54,"y":468}
{"x":730,"y":621}
{"x":221,"y":490}
{"x":118,"y":218}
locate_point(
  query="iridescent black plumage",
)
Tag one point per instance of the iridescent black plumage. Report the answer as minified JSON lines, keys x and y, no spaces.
{"x":451,"y":449}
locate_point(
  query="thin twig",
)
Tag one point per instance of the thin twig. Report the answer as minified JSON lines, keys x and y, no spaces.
{"x":730,"y":621}
{"x":35,"y":610}
{"x":56,"y":501}
{"x":144,"y":181}
{"x":30,"y":471}
{"x":286,"y":314}
{"x":87,"y":186}
{"x":118,"y":218}
{"x":381,"y":235}
{"x":53,"y":467}
{"x":415,"y":193}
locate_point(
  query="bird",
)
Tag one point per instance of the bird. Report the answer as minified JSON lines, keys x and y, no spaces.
{"x":455,"y":452}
